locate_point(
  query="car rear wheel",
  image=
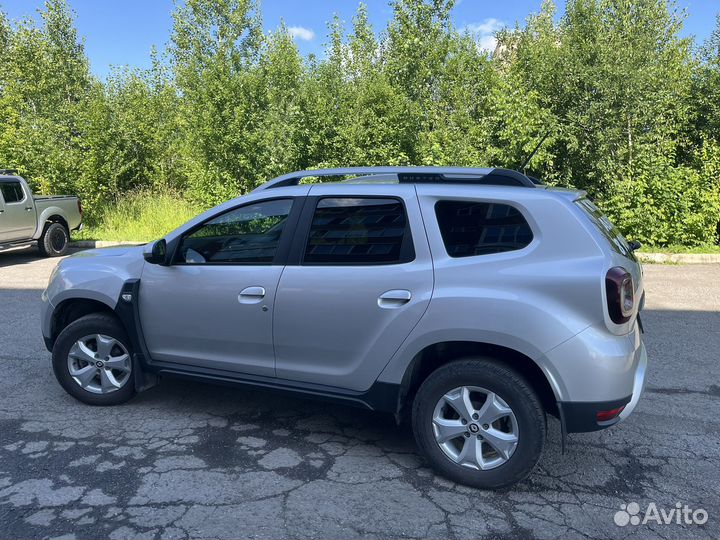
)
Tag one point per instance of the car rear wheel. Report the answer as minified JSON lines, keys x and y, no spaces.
{"x":479,"y":423}
{"x":92,"y":360}
{"x":54,"y":241}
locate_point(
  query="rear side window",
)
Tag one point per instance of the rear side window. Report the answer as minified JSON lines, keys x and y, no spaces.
{"x":359,"y":231}
{"x":12,"y":192}
{"x":472,"y":228}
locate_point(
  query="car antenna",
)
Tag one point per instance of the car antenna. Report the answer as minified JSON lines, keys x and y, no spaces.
{"x":532,"y":154}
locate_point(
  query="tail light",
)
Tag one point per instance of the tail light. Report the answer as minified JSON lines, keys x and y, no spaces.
{"x":80,"y":207}
{"x":620,"y":294}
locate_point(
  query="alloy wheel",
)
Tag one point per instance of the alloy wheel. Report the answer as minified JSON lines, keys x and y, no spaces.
{"x":100,"y":364}
{"x":475,"y":428}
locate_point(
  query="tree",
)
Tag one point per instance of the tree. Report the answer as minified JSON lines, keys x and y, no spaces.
{"x":215,"y":48}
{"x":629,"y":112}
{"x":706,"y":89}
{"x":45,"y":82}
{"x":130,"y":132}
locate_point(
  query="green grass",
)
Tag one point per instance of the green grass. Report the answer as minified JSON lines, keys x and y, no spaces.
{"x":680,"y":249}
{"x":140,"y":217}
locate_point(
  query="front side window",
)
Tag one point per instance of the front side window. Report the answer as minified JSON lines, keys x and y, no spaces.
{"x":358,"y":231}
{"x":12,"y":192}
{"x":471,"y":228}
{"x":247,"y":235}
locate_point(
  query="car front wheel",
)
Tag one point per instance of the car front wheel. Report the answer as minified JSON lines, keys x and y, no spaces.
{"x":92,"y":360}
{"x":479,"y":423}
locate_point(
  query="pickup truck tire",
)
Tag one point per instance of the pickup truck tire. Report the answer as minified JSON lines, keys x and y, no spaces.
{"x":453,"y":425}
{"x":54,"y":241}
{"x":92,"y":360}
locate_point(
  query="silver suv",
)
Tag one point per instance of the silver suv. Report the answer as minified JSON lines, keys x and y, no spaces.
{"x":473,"y":301}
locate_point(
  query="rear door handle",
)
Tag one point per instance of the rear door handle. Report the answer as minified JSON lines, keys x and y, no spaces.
{"x":251,"y":295}
{"x":394,"y":298}
{"x":28,"y":208}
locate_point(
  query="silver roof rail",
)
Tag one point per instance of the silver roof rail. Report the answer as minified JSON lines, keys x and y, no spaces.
{"x":414,"y":175}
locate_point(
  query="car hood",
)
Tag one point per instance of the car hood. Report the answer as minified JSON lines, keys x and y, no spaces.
{"x":117,"y":251}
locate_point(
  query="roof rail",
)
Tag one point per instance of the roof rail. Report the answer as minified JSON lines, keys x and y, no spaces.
{"x":8,"y":171}
{"x":414,"y":175}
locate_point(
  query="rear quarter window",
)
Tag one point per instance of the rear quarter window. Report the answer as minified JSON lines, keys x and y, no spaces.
{"x":471,"y":228}
{"x":606,"y":228}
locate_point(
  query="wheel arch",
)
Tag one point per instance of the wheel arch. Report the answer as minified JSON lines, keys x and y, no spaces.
{"x":57,"y":218}
{"x":51,"y":215}
{"x":433,"y":356}
{"x":72,"y":309}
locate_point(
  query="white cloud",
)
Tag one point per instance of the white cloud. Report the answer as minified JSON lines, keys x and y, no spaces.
{"x":299,"y":32}
{"x":485,"y":31}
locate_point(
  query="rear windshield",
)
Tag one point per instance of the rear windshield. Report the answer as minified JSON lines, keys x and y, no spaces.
{"x":605,"y":226}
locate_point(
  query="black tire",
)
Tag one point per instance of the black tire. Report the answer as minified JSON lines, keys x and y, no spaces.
{"x":54,"y":241}
{"x":509,"y":385}
{"x":96,"y":323}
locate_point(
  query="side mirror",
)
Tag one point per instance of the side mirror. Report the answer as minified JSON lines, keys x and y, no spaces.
{"x":156,"y":252}
{"x":634,"y":244}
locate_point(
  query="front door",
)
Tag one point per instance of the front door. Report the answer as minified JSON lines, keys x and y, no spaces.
{"x":362,"y":281}
{"x":213,"y":306}
{"x":17,"y":216}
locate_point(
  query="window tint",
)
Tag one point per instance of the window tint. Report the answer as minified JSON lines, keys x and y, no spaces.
{"x":249,"y":234}
{"x":475,"y":228}
{"x":607,"y":229}
{"x":359,"y":231}
{"x":12,"y":191}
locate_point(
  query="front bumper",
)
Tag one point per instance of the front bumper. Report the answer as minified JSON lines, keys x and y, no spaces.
{"x":46,"y":313}
{"x":581,"y":416}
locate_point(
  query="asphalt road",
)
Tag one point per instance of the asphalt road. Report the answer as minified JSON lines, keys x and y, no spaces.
{"x":192,"y":460}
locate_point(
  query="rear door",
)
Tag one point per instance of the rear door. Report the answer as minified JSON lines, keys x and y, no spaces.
{"x":17,"y":218}
{"x":358,"y":280}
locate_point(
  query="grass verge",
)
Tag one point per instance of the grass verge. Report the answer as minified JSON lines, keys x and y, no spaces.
{"x":140,"y":217}
{"x":680,"y":249}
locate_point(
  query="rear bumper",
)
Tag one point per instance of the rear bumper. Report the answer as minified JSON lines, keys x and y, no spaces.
{"x":638,"y":383}
{"x":581,"y":416}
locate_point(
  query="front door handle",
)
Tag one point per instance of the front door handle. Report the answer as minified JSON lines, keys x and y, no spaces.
{"x":251,"y":295}
{"x":28,"y":208}
{"x":394,"y":298}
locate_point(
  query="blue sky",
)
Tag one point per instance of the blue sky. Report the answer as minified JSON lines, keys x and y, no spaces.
{"x":120,"y":32}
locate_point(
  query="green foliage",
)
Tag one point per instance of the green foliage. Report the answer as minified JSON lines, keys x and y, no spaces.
{"x":141,"y":216}
{"x":664,"y":204}
{"x":45,"y":80}
{"x":129,"y":126}
{"x":630,"y":111}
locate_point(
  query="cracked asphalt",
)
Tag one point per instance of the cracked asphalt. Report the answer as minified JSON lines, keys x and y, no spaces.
{"x":189,"y":460}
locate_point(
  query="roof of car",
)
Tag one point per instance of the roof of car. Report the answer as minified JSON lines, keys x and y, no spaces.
{"x":412,"y":175}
